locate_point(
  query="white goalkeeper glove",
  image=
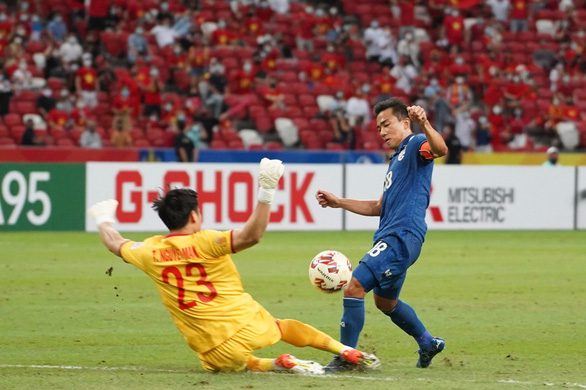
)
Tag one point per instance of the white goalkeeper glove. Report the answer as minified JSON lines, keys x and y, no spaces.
{"x":103,"y":211}
{"x":270,"y":172}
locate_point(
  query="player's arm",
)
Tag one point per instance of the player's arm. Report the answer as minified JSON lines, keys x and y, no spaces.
{"x":437,"y":145}
{"x":103,"y":215}
{"x":369,"y":208}
{"x":270,"y":172}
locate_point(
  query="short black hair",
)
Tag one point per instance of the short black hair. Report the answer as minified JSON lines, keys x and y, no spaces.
{"x":399,"y":108}
{"x":175,"y":206}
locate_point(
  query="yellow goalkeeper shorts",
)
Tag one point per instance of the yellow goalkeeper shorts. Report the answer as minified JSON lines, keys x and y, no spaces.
{"x":233,"y":354}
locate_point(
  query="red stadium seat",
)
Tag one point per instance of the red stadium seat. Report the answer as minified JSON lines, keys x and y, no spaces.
{"x":12,"y":120}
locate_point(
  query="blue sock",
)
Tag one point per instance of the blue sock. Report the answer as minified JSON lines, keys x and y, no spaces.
{"x":405,"y":318}
{"x":352,"y":321}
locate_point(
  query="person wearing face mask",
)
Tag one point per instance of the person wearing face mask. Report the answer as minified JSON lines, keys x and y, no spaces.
{"x":45,"y":102}
{"x":57,"y":29}
{"x":459,"y":93}
{"x":164,"y":32}
{"x":70,"y":51}
{"x":371,"y":37}
{"x":89,"y":138}
{"x":223,"y":36}
{"x":552,"y":154}
{"x":184,"y":147}
{"x":358,"y":107}
{"x":57,"y":119}
{"x":515,"y":91}
{"x":409,"y":47}
{"x":81,"y":114}
{"x":137,"y":45}
{"x":151,"y":93}
{"x":333,"y":60}
{"x":121,"y":108}
{"x":22,"y":78}
{"x":453,"y":25}
{"x":459,"y":67}
{"x":120,"y":137}
{"x":244,"y":79}
{"x":87,"y":84}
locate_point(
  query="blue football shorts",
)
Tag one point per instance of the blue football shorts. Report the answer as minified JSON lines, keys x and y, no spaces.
{"x":384,"y":267}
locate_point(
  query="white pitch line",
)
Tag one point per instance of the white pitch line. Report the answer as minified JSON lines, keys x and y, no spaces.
{"x":366,"y":378}
{"x":105,"y":368}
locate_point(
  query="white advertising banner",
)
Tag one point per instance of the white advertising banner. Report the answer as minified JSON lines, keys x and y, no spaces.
{"x":227,"y":193}
{"x":481,"y":197}
{"x":581,"y":217}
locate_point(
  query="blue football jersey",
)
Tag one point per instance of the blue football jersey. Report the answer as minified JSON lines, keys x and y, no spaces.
{"x":406,"y":191}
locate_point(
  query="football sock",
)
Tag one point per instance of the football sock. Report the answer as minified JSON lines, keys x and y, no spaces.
{"x":257,"y":364}
{"x":405,"y":318}
{"x":302,"y":335}
{"x":352,"y":321}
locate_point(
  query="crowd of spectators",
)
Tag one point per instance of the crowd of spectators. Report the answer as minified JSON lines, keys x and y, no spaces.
{"x":497,"y":74}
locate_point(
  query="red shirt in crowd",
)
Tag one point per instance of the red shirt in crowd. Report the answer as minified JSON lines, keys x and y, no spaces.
{"x":520,"y":9}
{"x":222,"y":36}
{"x":99,"y":8}
{"x":454,"y":30}
{"x":88,"y":78}
{"x":58,"y":117}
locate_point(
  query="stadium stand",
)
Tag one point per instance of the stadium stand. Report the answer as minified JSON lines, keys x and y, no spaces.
{"x":283,"y":76}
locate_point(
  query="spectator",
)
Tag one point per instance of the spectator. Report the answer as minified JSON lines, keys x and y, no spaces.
{"x":223,"y":36}
{"x":29,"y":138}
{"x":438,"y":106}
{"x":500,"y":9}
{"x":459,"y":93}
{"x":164,"y":33}
{"x":410,"y":48}
{"x":519,"y":16}
{"x":184,"y":146}
{"x":305,"y":28}
{"x":273,"y":97}
{"x":6,"y":93}
{"x":386,"y":46}
{"x":89,"y":138}
{"x":87,"y":84}
{"x":137,"y":45}
{"x":453,"y":28}
{"x":371,"y":38}
{"x":404,"y":72}
{"x":22,"y":78}
{"x":483,"y":136}
{"x":120,"y":138}
{"x":65,"y":100}
{"x":57,"y":29}
{"x":358,"y":107}
{"x":98,"y":11}
{"x":45,"y":102}
{"x":464,"y":126}
{"x":81,"y":114}
{"x":454,"y":155}
{"x":57,"y":118}
{"x":385,"y":83}
{"x":552,"y":157}
{"x":106,"y":76}
{"x":70,"y":50}
{"x":122,"y":108}
{"x":151,"y":92}
{"x":36,"y":27}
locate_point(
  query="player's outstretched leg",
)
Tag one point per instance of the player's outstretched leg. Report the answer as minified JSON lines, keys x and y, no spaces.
{"x":301,"y":335}
{"x":285,"y":363}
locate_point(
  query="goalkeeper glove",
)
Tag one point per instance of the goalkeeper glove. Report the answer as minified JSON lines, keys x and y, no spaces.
{"x":103,"y":211}
{"x":270,"y":172}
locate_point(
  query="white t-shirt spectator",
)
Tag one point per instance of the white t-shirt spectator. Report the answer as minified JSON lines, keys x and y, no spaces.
{"x":165,"y":35}
{"x":371,"y":37}
{"x":70,"y":51}
{"x":357,"y":107}
{"x":499,"y":9}
{"x":404,"y":75}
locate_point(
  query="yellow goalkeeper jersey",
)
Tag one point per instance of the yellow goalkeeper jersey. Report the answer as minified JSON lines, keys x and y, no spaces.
{"x":198,"y":282}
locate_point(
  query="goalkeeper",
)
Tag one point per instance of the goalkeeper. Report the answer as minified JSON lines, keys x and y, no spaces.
{"x":200,"y":285}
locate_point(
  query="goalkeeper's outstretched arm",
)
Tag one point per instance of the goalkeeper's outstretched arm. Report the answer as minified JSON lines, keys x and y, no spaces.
{"x":111,"y":238}
{"x":103,"y":215}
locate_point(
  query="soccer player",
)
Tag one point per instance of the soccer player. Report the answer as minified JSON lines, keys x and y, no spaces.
{"x":401,"y":231}
{"x":201,"y":288}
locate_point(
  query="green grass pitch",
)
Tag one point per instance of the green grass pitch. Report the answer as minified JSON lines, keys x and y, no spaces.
{"x":511,"y":306}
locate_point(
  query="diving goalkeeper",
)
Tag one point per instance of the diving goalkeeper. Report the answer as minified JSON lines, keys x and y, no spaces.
{"x":201,"y":287}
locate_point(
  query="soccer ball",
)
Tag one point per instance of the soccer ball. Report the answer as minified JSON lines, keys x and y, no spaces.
{"x":330,"y":271}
